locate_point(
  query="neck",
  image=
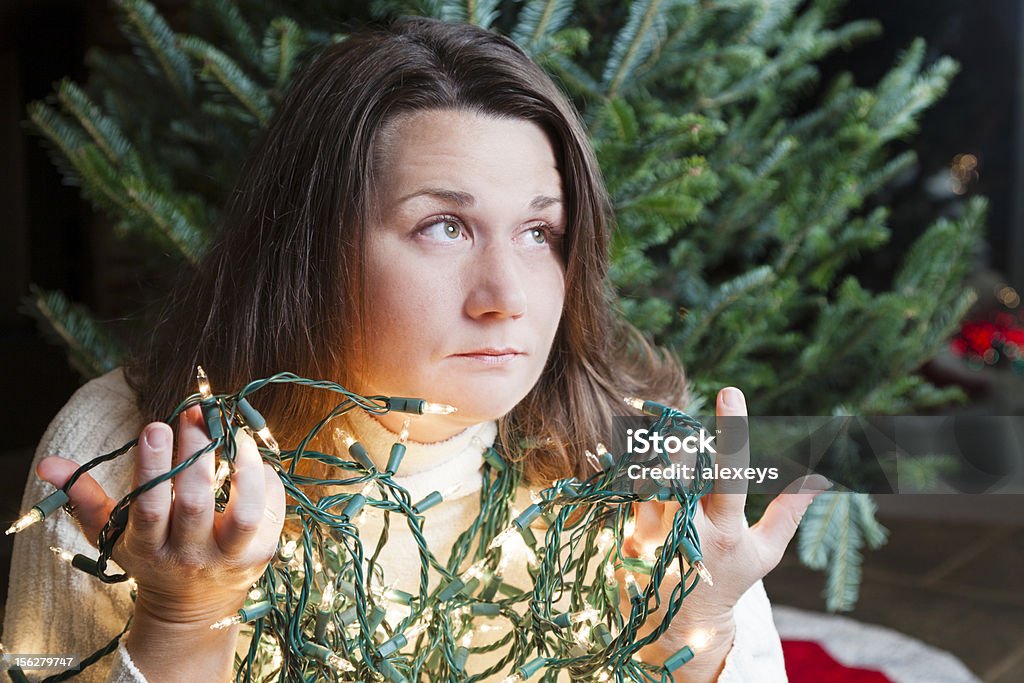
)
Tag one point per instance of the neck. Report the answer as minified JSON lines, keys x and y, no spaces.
{"x":426,"y":429}
{"x":442,"y":462}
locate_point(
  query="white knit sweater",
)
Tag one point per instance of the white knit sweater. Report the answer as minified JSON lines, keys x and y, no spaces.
{"x":53,"y":608}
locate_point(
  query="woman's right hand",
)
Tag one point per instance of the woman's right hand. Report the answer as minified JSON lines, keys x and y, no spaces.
{"x":192,"y":565}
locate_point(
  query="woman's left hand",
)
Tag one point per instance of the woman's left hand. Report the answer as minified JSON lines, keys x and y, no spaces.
{"x":737,"y":555}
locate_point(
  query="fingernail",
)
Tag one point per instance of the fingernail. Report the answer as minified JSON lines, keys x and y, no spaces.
{"x":816,"y":482}
{"x":732,"y":398}
{"x":157,"y":437}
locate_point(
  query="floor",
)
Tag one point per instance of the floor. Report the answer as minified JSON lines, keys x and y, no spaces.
{"x":956,"y":585}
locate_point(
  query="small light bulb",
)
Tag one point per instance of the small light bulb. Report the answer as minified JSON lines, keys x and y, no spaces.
{"x":327,"y":597}
{"x":255,"y":595}
{"x":339,"y":664}
{"x":269,"y":440}
{"x":700,"y":638}
{"x":451,"y":490}
{"x":437,"y":408}
{"x":223,"y":470}
{"x":30,"y":518}
{"x":632,"y":587}
{"x":287,"y":551}
{"x":226,"y":622}
{"x":204,"y":383}
{"x":605,"y":541}
{"x":64,"y":555}
{"x":629,"y":528}
{"x":340,"y":433}
{"x":703,"y":573}
{"x":634,"y":402}
{"x":504,"y":537}
{"x":592,"y":459}
{"x":475,"y":571}
{"x":467,"y":639}
{"x":403,"y":436}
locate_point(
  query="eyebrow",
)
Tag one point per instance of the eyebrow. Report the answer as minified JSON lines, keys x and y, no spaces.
{"x":463,"y":199}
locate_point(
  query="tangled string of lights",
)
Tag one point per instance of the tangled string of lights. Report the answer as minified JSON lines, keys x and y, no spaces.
{"x":323,"y":609}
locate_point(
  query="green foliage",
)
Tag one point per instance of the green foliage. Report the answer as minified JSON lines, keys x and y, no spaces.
{"x":744,"y":188}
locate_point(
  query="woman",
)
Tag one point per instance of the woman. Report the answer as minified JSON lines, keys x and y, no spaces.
{"x":424,"y":217}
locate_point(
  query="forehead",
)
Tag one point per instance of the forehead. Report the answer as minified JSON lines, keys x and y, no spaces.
{"x":467,"y":151}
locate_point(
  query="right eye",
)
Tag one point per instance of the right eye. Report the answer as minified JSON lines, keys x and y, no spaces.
{"x":448,"y":229}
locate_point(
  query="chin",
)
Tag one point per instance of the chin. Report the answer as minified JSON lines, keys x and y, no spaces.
{"x":483,"y":402}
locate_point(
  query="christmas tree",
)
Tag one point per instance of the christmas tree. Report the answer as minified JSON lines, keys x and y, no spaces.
{"x":744,"y":187}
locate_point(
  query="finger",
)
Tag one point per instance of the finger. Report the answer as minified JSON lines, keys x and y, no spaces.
{"x":270,"y":532}
{"x":244,"y":513}
{"x":776,"y":528}
{"x":92,"y":504}
{"x":192,"y":510}
{"x":149,"y":514}
{"x":649,"y":530}
{"x":732,"y":442}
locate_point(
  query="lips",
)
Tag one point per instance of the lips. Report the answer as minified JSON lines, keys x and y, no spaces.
{"x":491,"y":356}
{"x":508,"y":351}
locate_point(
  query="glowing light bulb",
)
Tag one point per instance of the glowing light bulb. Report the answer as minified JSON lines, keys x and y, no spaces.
{"x":629,"y":527}
{"x":504,"y":537}
{"x":605,"y":541}
{"x":339,"y":664}
{"x":634,"y":402}
{"x":204,"y":383}
{"x":475,"y":571}
{"x":255,"y":594}
{"x":223,"y":470}
{"x":226,"y":622}
{"x":700,"y":638}
{"x":632,"y":587}
{"x":287,"y":551}
{"x":327,"y":597}
{"x":31,"y":517}
{"x":438,"y":408}
{"x":64,"y":555}
{"x":344,"y":436}
{"x":592,"y":459}
{"x":403,"y":436}
{"x":269,"y":440}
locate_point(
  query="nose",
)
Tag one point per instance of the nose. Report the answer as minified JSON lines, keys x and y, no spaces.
{"x":496,"y":285}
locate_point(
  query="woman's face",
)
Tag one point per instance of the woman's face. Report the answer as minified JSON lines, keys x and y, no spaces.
{"x":465,"y":275}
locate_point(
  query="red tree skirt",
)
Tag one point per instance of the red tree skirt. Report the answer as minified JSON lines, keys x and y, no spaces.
{"x":808,"y":662}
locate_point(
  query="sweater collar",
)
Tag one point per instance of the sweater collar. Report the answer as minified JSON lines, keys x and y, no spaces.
{"x":429,"y":467}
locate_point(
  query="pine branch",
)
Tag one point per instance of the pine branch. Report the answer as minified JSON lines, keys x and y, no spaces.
{"x":539,"y":20}
{"x":156,"y":46}
{"x":228,"y":74}
{"x":91,"y":350}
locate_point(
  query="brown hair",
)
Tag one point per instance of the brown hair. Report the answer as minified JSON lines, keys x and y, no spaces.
{"x":274,"y":292}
